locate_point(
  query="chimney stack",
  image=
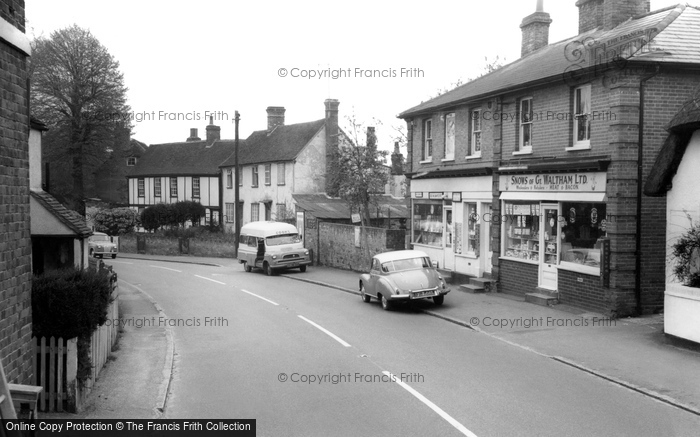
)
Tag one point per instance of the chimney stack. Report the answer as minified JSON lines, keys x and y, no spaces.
{"x":618,"y":11}
{"x":193,"y":135}
{"x":275,"y":117}
{"x":535,"y":29}
{"x":331,"y":146}
{"x":590,"y":15}
{"x":213,"y":132}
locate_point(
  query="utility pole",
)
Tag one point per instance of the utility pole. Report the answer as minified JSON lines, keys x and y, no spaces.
{"x":236,"y":186}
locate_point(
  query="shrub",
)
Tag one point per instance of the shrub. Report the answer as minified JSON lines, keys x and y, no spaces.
{"x":177,"y":214}
{"x":116,"y":221}
{"x":686,"y":252}
{"x":71,"y":303}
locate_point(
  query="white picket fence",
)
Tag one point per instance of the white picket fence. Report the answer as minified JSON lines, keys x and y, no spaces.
{"x":56,"y":364}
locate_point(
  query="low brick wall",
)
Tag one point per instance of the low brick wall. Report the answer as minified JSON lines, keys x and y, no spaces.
{"x":341,"y":246}
{"x":159,"y":245}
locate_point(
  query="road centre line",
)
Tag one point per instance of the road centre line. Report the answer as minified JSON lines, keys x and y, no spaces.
{"x":329,"y":333}
{"x":167,"y":268}
{"x":209,"y":279}
{"x":259,"y":297}
{"x":451,"y":420}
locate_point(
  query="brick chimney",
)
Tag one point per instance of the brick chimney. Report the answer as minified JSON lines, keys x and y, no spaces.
{"x":590,"y":15}
{"x":193,"y":135}
{"x":535,"y":29}
{"x":275,"y":117}
{"x":607,"y":14}
{"x":619,"y":11}
{"x":397,"y":161}
{"x":213,"y":132}
{"x":331,"y":145}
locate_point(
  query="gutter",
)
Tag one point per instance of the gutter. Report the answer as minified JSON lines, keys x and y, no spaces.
{"x":640,"y":174}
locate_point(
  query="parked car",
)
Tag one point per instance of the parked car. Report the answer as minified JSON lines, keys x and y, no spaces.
{"x":402,"y":276}
{"x":100,"y":244}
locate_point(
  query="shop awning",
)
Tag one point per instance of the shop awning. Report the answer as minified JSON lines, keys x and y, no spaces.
{"x":553,"y":196}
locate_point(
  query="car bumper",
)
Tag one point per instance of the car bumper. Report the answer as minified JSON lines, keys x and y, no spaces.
{"x":275,"y":265}
{"x":105,"y":252}
{"x":408,"y":296}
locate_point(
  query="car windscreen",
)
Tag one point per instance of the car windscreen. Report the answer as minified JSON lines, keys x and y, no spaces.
{"x":406,"y":264}
{"x":283,"y":239}
{"x":99,"y":238}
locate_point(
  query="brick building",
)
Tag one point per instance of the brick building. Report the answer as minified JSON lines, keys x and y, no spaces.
{"x":15,"y":238}
{"x":529,"y":174}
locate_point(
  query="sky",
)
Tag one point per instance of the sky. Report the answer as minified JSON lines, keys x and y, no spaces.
{"x":186,"y":61}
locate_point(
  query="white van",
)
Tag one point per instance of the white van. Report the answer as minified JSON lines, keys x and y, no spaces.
{"x":272,"y":246}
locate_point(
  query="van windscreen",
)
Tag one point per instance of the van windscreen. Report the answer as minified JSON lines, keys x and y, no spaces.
{"x":283,"y":239}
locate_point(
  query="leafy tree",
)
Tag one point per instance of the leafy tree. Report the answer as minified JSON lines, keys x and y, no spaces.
{"x":79,"y":92}
{"x":116,"y":221}
{"x":361,"y":171}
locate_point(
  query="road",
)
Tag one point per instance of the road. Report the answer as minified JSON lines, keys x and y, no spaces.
{"x":307,"y":360}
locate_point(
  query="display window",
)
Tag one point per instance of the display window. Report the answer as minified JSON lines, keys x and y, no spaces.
{"x":582,"y":225}
{"x":472,"y":228}
{"x":522,"y":231}
{"x":428,"y":224}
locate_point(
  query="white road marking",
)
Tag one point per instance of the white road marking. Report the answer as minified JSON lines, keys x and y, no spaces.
{"x":259,"y":297}
{"x":461,"y":428}
{"x":119,"y":262}
{"x":210,"y":279}
{"x":167,"y":268}
{"x":329,"y":333}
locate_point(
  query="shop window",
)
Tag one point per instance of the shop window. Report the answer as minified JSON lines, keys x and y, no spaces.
{"x":522,"y":236}
{"x":583,"y":224}
{"x":427,"y":223}
{"x":472,"y":228}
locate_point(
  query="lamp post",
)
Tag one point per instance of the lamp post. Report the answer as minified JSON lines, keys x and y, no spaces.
{"x":237,"y":223}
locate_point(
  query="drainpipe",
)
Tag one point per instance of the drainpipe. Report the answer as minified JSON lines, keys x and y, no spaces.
{"x":640,"y":174}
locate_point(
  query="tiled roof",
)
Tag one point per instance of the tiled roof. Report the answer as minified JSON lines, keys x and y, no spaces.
{"x":325,"y":207}
{"x":72,"y":219}
{"x":282,"y":144}
{"x":675,"y":39}
{"x":185,"y":158}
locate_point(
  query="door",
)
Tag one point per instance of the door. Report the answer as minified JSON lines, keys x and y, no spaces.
{"x":549,"y":246}
{"x":449,"y":263}
{"x":486,"y":247}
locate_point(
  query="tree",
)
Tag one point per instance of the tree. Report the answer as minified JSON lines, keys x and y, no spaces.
{"x":78,"y":91}
{"x":361,"y":171}
{"x":489,"y":67}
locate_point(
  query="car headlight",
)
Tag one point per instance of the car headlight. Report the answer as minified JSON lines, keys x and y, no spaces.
{"x":306,"y":252}
{"x":274,"y":256}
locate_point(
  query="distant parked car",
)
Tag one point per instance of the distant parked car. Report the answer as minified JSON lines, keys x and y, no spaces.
{"x":402,"y":276}
{"x":99,"y":245}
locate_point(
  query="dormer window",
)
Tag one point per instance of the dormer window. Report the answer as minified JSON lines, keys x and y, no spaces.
{"x":131,"y":161}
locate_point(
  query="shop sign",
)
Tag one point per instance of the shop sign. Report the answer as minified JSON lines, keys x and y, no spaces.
{"x":552,"y":182}
{"x":457,"y":197}
{"x":435,"y":195}
{"x":418,"y":195}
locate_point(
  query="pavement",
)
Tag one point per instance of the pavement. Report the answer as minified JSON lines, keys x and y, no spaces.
{"x":632,"y":353}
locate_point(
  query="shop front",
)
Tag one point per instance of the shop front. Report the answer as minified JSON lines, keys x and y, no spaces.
{"x":553,"y":231}
{"x":450,"y":222}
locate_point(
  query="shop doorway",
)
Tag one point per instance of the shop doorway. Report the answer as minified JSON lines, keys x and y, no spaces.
{"x":449,"y":262}
{"x":549,"y":246}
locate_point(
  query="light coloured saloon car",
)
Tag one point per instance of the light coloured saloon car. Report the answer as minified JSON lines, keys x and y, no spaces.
{"x":402,"y":276}
{"x":100,"y":245}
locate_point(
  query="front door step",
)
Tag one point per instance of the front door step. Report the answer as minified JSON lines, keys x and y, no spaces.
{"x":541,"y":299}
{"x":478,"y":285}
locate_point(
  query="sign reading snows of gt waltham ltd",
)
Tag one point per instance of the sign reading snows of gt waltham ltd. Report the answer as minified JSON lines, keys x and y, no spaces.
{"x":549,"y":182}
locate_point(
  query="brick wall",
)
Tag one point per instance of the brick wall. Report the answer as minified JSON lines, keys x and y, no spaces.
{"x":337,"y":245}
{"x":584,"y":291}
{"x":517,"y":277}
{"x":15,"y":238}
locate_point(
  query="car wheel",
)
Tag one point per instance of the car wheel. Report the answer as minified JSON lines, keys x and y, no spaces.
{"x":439,"y":299}
{"x":247,"y":267}
{"x":114,"y":256}
{"x":365,"y":297}
{"x":302,"y":269}
{"x":268,"y":269}
{"x":386,"y":305}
